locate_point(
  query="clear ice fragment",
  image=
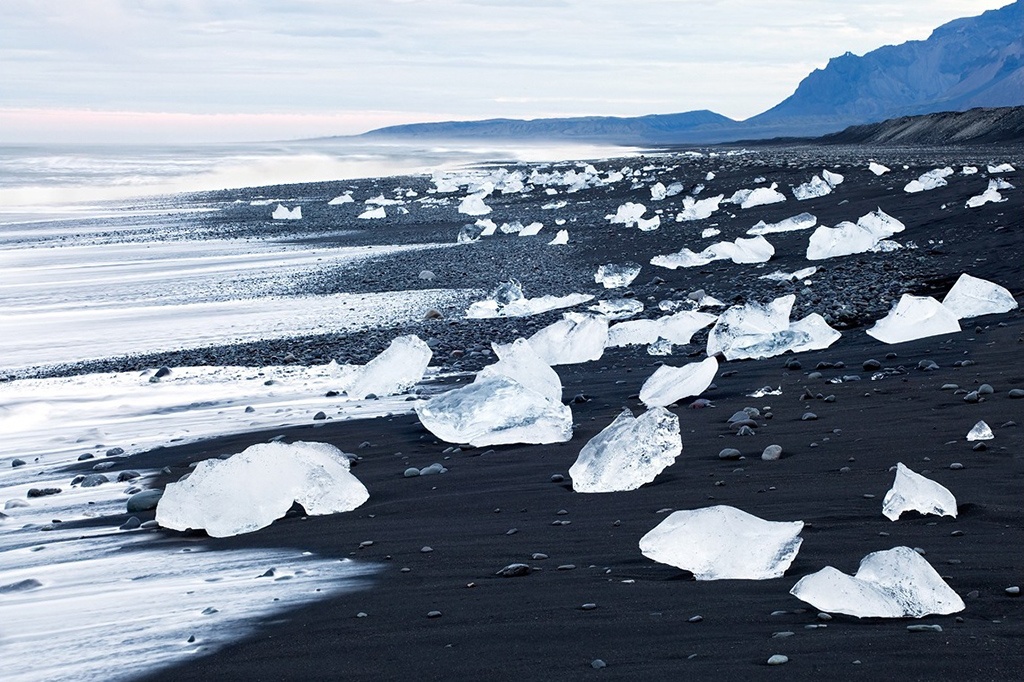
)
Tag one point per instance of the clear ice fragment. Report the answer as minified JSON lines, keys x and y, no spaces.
{"x":913,"y":492}
{"x":980,"y":431}
{"x":756,"y":331}
{"x":803,"y":221}
{"x":628,"y":453}
{"x":915,"y":317}
{"x":930,"y":180}
{"x":877,"y":168}
{"x":670,"y":384}
{"x":811,"y":190}
{"x":677,"y":328}
{"x":972,"y":296}
{"x":399,"y":367}
{"x":848,"y":238}
{"x":283,"y":213}
{"x":698,"y":210}
{"x":613,"y":276}
{"x":573,"y":339}
{"x":741,"y":250}
{"x":618,"y":308}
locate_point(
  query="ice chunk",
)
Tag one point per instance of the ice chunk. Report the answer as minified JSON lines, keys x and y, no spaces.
{"x":507,"y":300}
{"x":969,"y":170}
{"x":561,"y":238}
{"x":373,"y":214}
{"x":496,"y":410}
{"x":895,"y":583}
{"x":399,"y":367}
{"x":971,"y":297}
{"x":613,"y":276}
{"x":341,"y":199}
{"x":813,"y":189}
{"x":628,"y":453}
{"x":930,"y":180}
{"x":804,"y":221}
{"x":799,"y":275}
{"x":519,"y":361}
{"x":811,"y":333}
{"x":724,"y":543}
{"x":741,"y":250}
{"x":669,"y":384}
{"x":990,"y":195}
{"x":749,"y":198}
{"x":677,"y":328}
{"x":627,"y":214}
{"x":981,"y":431}
{"x":1001,"y":168}
{"x":755,"y":330}
{"x":487,"y":226}
{"x":849,"y":238}
{"x":573,"y":339}
{"x":250,"y":490}
{"x":833,"y":179}
{"x":915,"y":317}
{"x":648,"y":224}
{"x":709,"y":232}
{"x":658,"y":191}
{"x":913,"y":492}
{"x":531,"y":229}
{"x":473,"y":204}
{"x":514,"y":227}
{"x":381,"y":200}
{"x":698,"y":210}
{"x":674,"y":189}
{"x":877,"y":168}
{"x":469,"y":234}
{"x":282,"y":213}
{"x":618,"y":308}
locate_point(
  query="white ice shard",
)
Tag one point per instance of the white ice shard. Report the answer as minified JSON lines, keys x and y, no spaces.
{"x":561,"y":238}
{"x":618,"y":308}
{"x":709,"y":232}
{"x":811,"y":190}
{"x":972,"y":296}
{"x":969,"y":170}
{"x":487,"y":226}
{"x":698,"y":210}
{"x":573,"y":339}
{"x":473,"y":204}
{"x":749,"y":198}
{"x":614,"y":275}
{"x":848,"y":238}
{"x":980,"y":431}
{"x":670,"y":384}
{"x":627,"y":214}
{"x":724,"y":543}
{"x":519,"y":361}
{"x":283,"y":213}
{"x":507,"y":300}
{"x":1000,"y":168}
{"x":756,"y":331}
{"x":930,"y":180}
{"x":833,"y":179}
{"x":658,"y":191}
{"x":797,"y":276}
{"x":468,"y":234}
{"x":741,"y":250}
{"x":399,"y":367}
{"x":877,"y":168}
{"x":373,"y":214}
{"x":628,"y":453}
{"x":648,"y":224}
{"x":674,"y":189}
{"x":804,"y":221}
{"x":915,"y":317}
{"x":990,"y":196}
{"x":341,"y":199}
{"x":496,"y":410}
{"x":913,"y":492}
{"x":531,"y":229}
{"x":677,"y":328}
{"x":894,"y":583}
{"x":252,"y":489}
{"x":515,"y":227}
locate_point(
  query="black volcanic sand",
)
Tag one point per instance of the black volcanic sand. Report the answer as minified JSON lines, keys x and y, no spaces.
{"x":833,"y":475}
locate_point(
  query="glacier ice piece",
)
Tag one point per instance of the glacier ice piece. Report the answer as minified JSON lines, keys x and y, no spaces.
{"x":1000,"y":168}
{"x":341,"y":199}
{"x":913,"y":492}
{"x":811,"y":333}
{"x":669,"y":384}
{"x":487,"y":226}
{"x":930,"y":180}
{"x":709,"y":232}
{"x":915,"y":317}
{"x":531,"y":229}
{"x":980,"y":431}
{"x":969,"y":170}
{"x":473,"y":204}
{"x":803,"y":221}
{"x":658,"y":191}
{"x":628,"y":453}
{"x":399,"y":367}
{"x":749,"y":198}
{"x":618,"y":308}
{"x":496,"y":410}
{"x":515,"y":227}
{"x":373,"y":214}
{"x":698,"y":210}
{"x":627,"y":214}
{"x":971,"y":296}
{"x":877,"y":168}
{"x":741,"y":250}
{"x":990,"y":195}
{"x":677,"y":328}
{"x":833,"y":179}
{"x":507,"y":300}
{"x":799,"y":275}
{"x":283,"y":213}
{"x":519,"y":361}
{"x":561,"y":238}
{"x":816,"y":187}
{"x":848,"y":238}
{"x":573,"y":339}
{"x":755,"y":330}
{"x":613,"y":275}
{"x":252,"y":489}
{"x":894,"y":583}
{"x":724,"y":543}
{"x":648,"y":224}
{"x":469,"y":234}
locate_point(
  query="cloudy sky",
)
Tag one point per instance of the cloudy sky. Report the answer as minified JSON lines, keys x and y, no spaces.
{"x":209,"y":70}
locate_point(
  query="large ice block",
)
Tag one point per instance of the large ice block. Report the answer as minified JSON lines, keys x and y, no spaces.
{"x":519,"y":361}
{"x":972,"y":296}
{"x":877,"y":168}
{"x":930,"y":180}
{"x":848,"y":238}
{"x":913,"y":492}
{"x":628,"y":453}
{"x":816,"y":187}
{"x":724,"y":543}
{"x":248,"y":491}
{"x":756,"y":330}
{"x":894,"y":583}
{"x":677,"y":328}
{"x":762,"y":196}
{"x":915,"y":317}
{"x":575,"y":338}
{"x":400,"y":366}
{"x":803,"y":221}
{"x":741,"y":250}
{"x":614,"y":275}
{"x":669,"y":384}
{"x":698,"y":210}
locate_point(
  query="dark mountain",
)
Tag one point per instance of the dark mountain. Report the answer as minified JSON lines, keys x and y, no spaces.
{"x":976,"y":126}
{"x":967,"y":63}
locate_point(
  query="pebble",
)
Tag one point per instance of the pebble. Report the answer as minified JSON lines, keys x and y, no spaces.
{"x":746,"y":431}
{"x":695,"y":619}
{"x":927,"y":365}
{"x":17,"y":463}
{"x":956,"y":466}
{"x":1016,"y":393}
{"x":772,"y":453}
{"x":538,"y":556}
{"x":871,"y":365}
{"x":514,"y":571}
{"x":1013,"y":591}
{"x":729,"y":453}
{"x":949,"y":387}
{"x":972,"y":397}
{"x":782,"y":634}
{"x":411,"y":472}
{"x":433,"y":614}
{"x":557,"y":478}
{"x":41,"y":492}
{"x":597,"y":664}
{"x":320,"y":416}
{"x":778,"y":659}
{"x":132,"y":523}
{"x":924,"y":628}
{"x":144,"y":501}
{"x":589,"y":606}
{"x":986,"y":389}
{"x":426,"y":549}
{"x":808,"y":416}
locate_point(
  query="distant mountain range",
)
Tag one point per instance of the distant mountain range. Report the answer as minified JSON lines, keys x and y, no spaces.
{"x":970,"y":62}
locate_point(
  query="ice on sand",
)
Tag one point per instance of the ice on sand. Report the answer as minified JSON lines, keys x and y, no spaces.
{"x":804,"y":221}
{"x":894,"y":583}
{"x":669,"y":384}
{"x":677,"y":328}
{"x":283,"y":213}
{"x":811,"y":190}
{"x":561,"y":238}
{"x":531,"y":229}
{"x":1000,"y":168}
{"x":627,"y":214}
{"x":833,"y":179}
{"x":613,"y":276}
{"x":930,"y":180}
{"x":915,"y":317}
{"x":980,"y":431}
{"x":507,"y":300}
{"x":399,"y":367}
{"x":877,"y":168}
{"x":628,"y":453}
{"x":848,"y":238}
{"x":648,"y":224}
{"x":799,"y":275}
{"x":373,"y":214}
{"x":913,"y":492}
{"x":990,"y":195}
{"x":753,"y":250}
{"x":698,"y":210}
{"x":618,"y":308}
{"x":573,"y":339}
{"x":756,"y":331}
{"x":250,"y":490}
{"x":519,"y":361}
{"x":341,"y":199}
{"x":724,"y":543}
{"x":473,"y":204}
{"x":749,"y":198}
{"x":972,"y":296}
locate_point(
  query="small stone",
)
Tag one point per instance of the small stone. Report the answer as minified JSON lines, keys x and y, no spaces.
{"x":972,"y":397}
{"x":85,"y":456}
{"x":782,"y":634}
{"x":824,"y":616}
{"x":426,"y":549}
{"x":956,"y":466}
{"x":772,"y":453}
{"x":729,"y":453}
{"x":746,"y":431}
{"x":93,"y":480}
{"x":871,"y":365}
{"x":1016,"y":393}
{"x":927,"y":365}
{"x":127,"y":476}
{"x":986,"y":389}
{"x":361,"y":614}
{"x":695,"y":619}
{"x":411,"y":472}
{"x":41,"y":492}
{"x":433,"y":614}
{"x":567,"y":567}
{"x":132,"y":523}
{"x":924,"y":628}
{"x":597,"y":664}
{"x":949,"y":387}
{"x":1013,"y":591}
{"x":538,"y":556}
{"x":17,"y":463}
{"x":589,"y":606}
{"x":514,"y":571}
{"x":979,"y":447}
{"x":144,"y":501}
{"x":557,"y":478}
{"x":321,"y":415}
{"x":778,"y":659}
{"x":808,"y":416}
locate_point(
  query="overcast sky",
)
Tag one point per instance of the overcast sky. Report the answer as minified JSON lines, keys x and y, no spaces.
{"x":208,"y":70}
